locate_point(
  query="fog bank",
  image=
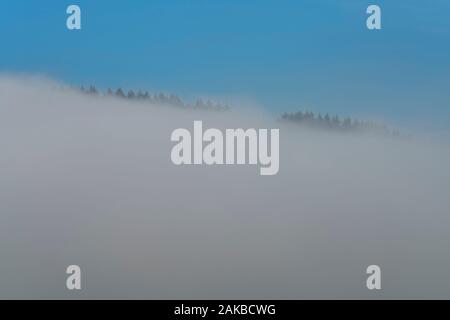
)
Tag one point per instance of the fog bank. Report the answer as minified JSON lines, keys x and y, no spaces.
{"x":89,"y":181}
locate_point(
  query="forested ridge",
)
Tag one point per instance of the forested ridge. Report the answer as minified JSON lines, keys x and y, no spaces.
{"x":305,"y":119}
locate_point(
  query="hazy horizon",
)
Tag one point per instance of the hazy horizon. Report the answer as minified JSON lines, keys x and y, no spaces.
{"x":303,"y":54}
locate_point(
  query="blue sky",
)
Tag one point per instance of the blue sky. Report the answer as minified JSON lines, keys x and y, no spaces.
{"x":284,"y":55}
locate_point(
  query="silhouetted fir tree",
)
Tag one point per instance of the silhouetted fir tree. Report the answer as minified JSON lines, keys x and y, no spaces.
{"x":199,"y":104}
{"x":92,"y":90}
{"x":334,"y":123}
{"x":119,"y":93}
{"x":175,"y":101}
{"x":131,"y":94}
{"x":320,"y":119}
{"x":158,"y":98}
{"x":162,"y":98}
{"x":347,"y":124}
{"x":327,"y":120}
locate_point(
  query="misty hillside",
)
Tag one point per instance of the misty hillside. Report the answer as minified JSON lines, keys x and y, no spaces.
{"x":305,"y":119}
{"x":335,"y":124}
{"x":160,"y":98}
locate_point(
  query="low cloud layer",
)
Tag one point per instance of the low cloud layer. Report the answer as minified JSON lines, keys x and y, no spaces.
{"x":89,"y":181}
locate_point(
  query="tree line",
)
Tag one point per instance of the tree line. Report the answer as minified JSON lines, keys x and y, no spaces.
{"x":303,"y":118}
{"x":334,"y":123}
{"x":156,"y":98}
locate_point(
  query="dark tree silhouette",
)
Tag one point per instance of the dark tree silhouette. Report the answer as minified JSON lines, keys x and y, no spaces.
{"x":119,"y":93}
{"x":158,"y":98}
{"x":131,"y":94}
{"x":308,"y":119}
{"x":92,"y":90}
